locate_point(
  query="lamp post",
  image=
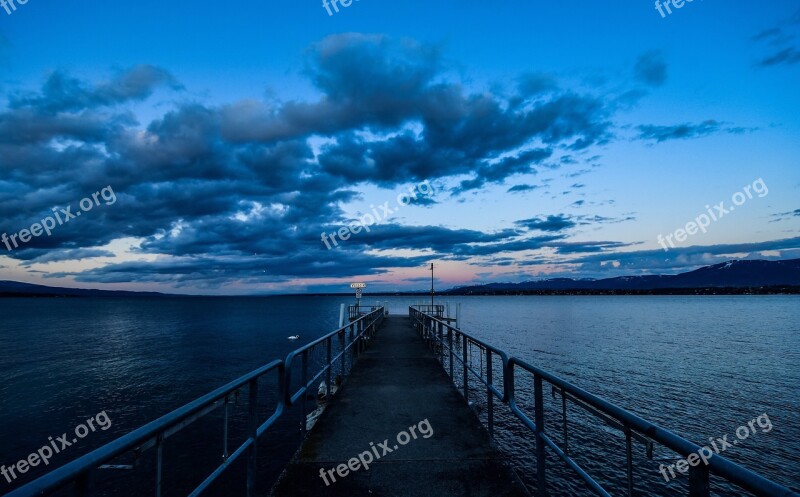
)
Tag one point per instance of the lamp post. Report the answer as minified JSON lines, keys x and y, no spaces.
{"x":431,"y":287}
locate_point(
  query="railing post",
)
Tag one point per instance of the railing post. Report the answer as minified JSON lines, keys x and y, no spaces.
{"x":344,"y":355}
{"x":541,"y":477}
{"x":360,"y":335}
{"x":698,"y":481}
{"x":252,"y":433}
{"x":225,"y":452}
{"x":159,"y":462}
{"x":450,"y":336}
{"x":440,"y":342}
{"x":305,"y":391}
{"x":466,"y":372}
{"x":489,"y":395}
{"x":564,"y":426}
{"x":629,"y":460}
{"x":83,"y":485}
{"x":328,"y":374}
{"x":352,"y":353}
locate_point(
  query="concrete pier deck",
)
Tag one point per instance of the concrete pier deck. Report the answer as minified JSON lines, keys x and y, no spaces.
{"x":396,"y":384}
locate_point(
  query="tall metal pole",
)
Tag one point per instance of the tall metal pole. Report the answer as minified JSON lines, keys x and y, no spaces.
{"x":431,"y":287}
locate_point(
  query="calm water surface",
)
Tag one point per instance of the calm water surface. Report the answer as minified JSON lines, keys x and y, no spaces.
{"x":700,"y":366}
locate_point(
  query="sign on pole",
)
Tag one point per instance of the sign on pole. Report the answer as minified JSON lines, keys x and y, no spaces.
{"x":358,"y":287}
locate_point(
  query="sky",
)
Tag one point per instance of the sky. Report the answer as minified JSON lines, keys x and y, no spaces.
{"x":230,"y":148}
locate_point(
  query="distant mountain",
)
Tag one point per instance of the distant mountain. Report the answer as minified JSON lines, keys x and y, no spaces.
{"x":735,"y":274}
{"x":17,"y":289}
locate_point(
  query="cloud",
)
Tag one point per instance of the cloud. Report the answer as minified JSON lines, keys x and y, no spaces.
{"x":522,"y":188}
{"x":687,"y":131}
{"x":788,"y":56}
{"x":533,"y":84}
{"x":239,"y":193}
{"x":586,"y":247}
{"x":552,"y":223}
{"x":38,"y":256}
{"x":679,"y":259}
{"x":781,"y":43}
{"x":785,"y":215}
{"x":495,"y":172}
{"x":61,"y":92}
{"x":768,"y":34}
{"x":651,"y":69}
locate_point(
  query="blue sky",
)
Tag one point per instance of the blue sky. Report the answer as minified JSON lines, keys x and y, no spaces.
{"x":553,"y":139}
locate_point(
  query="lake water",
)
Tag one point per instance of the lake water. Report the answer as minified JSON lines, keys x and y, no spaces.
{"x":699,"y":366}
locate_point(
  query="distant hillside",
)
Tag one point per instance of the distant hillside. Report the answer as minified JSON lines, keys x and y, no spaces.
{"x":751,"y":274}
{"x":17,"y":289}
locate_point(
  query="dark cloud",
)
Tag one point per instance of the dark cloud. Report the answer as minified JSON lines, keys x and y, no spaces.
{"x":781,"y":42}
{"x":586,"y":247}
{"x":563,"y":222}
{"x":436,"y":238}
{"x":768,"y":34}
{"x":687,"y":131}
{"x":788,"y":56}
{"x":651,"y":69}
{"x":241,"y":193}
{"x":496,"y":172}
{"x":533,"y":84}
{"x":785,"y":215}
{"x":61,"y":92}
{"x":39,"y":256}
{"x":553,"y":223}
{"x":587,"y":220}
{"x":679,"y":259}
{"x":522,"y":188}
{"x":530,"y":243}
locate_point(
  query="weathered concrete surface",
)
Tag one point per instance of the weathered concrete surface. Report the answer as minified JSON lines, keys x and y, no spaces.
{"x":397,"y":384}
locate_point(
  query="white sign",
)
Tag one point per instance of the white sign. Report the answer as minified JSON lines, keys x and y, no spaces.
{"x":358,"y":285}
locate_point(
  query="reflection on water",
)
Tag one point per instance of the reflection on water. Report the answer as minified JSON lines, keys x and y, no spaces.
{"x":700,"y":366}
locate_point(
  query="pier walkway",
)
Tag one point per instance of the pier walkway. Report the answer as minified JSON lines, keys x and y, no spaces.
{"x":396,"y":384}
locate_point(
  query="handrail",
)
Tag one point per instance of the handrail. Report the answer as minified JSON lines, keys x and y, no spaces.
{"x":734,"y":473}
{"x":633,"y":426}
{"x":365,"y":324}
{"x":466,"y":339}
{"x":156,"y":431}
{"x":432,"y":309}
{"x":355,"y":311}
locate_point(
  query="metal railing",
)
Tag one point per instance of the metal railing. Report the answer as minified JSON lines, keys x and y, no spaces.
{"x":440,"y":336}
{"x":80,"y":472}
{"x":436,"y":310}
{"x":356,"y":311}
{"x":461,"y":347}
{"x":360,"y":332}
